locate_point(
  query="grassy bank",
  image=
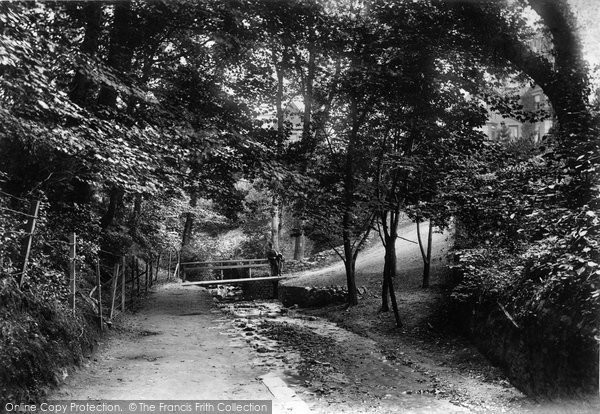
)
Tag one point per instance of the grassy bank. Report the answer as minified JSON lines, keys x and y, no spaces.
{"x":40,"y":339}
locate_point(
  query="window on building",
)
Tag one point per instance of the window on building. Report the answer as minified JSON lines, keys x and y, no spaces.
{"x":537,"y":136}
{"x":539,"y":102}
{"x":492,"y":127}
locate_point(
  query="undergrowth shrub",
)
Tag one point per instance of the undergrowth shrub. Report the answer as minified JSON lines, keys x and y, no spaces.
{"x":39,"y":337}
{"x":528,"y":251}
{"x":546,"y":298}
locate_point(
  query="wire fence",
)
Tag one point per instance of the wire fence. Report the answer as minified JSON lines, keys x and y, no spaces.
{"x":107,"y":282}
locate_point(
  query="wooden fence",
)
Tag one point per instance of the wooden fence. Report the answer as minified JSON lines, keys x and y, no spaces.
{"x":131,"y":279}
{"x":116,"y":288}
{"x":122,"y":285}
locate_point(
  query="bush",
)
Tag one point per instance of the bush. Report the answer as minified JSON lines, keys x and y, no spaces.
{"x":528,"y":254}
{"x":39,"y":337}
{"x":550,"y":292}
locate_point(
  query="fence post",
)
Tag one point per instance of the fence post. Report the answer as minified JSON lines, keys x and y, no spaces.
{"x":72,"y":257}
{"x":114,"y":289}
{"x":99,"y":285}
{"x":597,"y":338}
{"x":146,"y":270}
{"x":179,"y":265}
{"x":169,"y":267}
{"x":123,"y":284}
{"x":131,"y":292}
{"x":137,"y":276}
{"x":27,"y":245}
{"x":157,"y":267}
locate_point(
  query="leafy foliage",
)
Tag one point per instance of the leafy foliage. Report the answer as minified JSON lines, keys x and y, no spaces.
{"x":135,"y":122}
{"x":520,"y":244}
{"x":38,"y":337}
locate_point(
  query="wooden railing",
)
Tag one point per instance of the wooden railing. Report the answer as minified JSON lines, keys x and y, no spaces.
{"x":225,"y":264}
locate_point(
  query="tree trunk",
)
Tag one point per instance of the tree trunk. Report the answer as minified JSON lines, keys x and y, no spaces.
{"x":119,"y":57}
{"x":350,"y":274}
{"x":385,"y":235}
{"x":279,"y":105}
{"x":568,"y":88}
{"x":135,"y":215}
{"x":299,"y":247}
{"x":275,"y":224}
{"x":115,"y":208}
{"x":299,"y":242}
{"x":426,"y":272}
{"x":120,"y":53}
{"x":564,"y":81}
{"x":385,"y":307}
{"x":275,"y":205}
{"x":349,"y":260}
{"x":389,"y":270}
{"x":390,"y":282}
{"x":308,"y":143}
{"x":280,"y":224}
{"x":81,"y":85}
{"x":307,"y":137}
{"x":425,"y":255}
{"x":349,"y":184}
{"x":427,"y":267}
{"x":188,"y":227}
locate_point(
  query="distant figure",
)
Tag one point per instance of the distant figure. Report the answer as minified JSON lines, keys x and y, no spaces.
{"x":274,"y":258}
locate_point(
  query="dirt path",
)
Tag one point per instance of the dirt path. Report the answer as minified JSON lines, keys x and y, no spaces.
{"x":182,"y":345}
{"x":332,"y":369}
{"x":426,"y":357}
{"x":336,"y":370}
{"x":179,"y":346}
{"x":370,"y":261}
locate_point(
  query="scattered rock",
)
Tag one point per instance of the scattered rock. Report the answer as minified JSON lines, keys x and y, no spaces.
{"x":311,"y":296}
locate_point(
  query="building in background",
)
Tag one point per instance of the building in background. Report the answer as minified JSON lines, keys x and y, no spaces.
{"x":293,"y":115}
{"x":533,"y":99}
{"x":503,"y":128}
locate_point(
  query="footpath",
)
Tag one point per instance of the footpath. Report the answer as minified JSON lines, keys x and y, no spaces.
{"x":182,"y":345}
{"x":179,"y":346}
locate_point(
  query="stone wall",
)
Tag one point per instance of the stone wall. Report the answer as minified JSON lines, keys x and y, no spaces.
{"x":302,"y":296}
{"x":311,"y":297}
{"x":314,"y":297}
{"x":536,"y":364}
{"x":265,"y":289}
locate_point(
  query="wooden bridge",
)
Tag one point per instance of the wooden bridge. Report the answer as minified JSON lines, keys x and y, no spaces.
{"x":229,"y":264}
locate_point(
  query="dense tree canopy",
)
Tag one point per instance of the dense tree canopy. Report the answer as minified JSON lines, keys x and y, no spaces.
{"x":139,"y":123}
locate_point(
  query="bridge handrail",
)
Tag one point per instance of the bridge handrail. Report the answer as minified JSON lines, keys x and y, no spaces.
{"x":240,"y":266}
{"x":231,"y":281}
{"x":226,"y":261}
